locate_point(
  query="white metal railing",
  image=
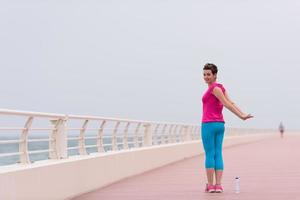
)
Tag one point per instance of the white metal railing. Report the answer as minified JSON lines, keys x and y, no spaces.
{"x":68,"y":135}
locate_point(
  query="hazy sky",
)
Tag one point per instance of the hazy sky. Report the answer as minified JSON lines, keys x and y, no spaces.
{"x":143,"y":59}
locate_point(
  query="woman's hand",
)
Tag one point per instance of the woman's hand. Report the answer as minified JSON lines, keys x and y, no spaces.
{"x":246,"y":116}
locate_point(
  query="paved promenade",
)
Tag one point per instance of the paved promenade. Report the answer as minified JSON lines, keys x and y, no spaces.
{"x":269,"y":169}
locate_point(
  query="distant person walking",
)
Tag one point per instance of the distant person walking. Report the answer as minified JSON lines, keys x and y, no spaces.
{"x":212,"y":130}
{"x":281,"y":129}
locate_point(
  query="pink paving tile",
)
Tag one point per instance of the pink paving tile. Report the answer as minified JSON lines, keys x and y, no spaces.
{"x":269,"y":169}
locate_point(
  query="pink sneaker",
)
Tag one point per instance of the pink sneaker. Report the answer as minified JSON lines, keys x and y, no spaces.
{"x":209,"y":188}
{"x":218,"y":188}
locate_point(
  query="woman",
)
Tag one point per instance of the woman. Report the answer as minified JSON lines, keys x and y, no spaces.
{"x":212,"y":130}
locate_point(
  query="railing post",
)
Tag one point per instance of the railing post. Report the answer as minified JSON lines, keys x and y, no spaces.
{"x":100,"y":137}
{"x":181,"y":135}
{"x":148,"y":135}
{"x":58,"y":139}
{"x":23,"y":146}
{"x":193,"y":129}
{"x":170,"y":134}
{"x":198,"y":132}
{"x":136,"y":135}
{"x":175,"y":133}
{"x":125,"y":138}
{"x":155,"y":135}
{"x":195,"y":132}
{"x":186,"y":133}
{"x":190,"y":132}
{"x":114,"y":137}
{"x":81,"y":141}
{"x":162,"y":136}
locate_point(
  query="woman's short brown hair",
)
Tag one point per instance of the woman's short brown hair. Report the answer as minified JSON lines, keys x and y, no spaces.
{"x":212,"y":67}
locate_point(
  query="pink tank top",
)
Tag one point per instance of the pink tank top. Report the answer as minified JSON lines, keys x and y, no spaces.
{"x":212,"y":107}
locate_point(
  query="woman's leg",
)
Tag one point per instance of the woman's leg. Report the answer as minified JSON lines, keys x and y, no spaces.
{"x":208,"y":141}
{"x":219,"y":174}
{"x":219,"y":165}
{"x":210,"y":175}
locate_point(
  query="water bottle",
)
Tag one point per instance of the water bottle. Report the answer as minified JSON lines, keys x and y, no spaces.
{"x":237,"y":185}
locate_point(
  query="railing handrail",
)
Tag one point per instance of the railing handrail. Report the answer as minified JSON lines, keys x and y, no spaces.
{"x":134,"y":134}
{"x":89,"y":117}
{"x":29,"y":113}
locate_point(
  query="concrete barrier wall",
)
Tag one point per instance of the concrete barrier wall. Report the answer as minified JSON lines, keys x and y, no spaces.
{"x":63,"y":179}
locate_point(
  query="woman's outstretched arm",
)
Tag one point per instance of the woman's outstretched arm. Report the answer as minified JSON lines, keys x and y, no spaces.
{"x":229,"y":104}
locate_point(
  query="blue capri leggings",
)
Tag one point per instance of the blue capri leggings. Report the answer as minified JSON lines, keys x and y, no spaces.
{"x":212,"y":134}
